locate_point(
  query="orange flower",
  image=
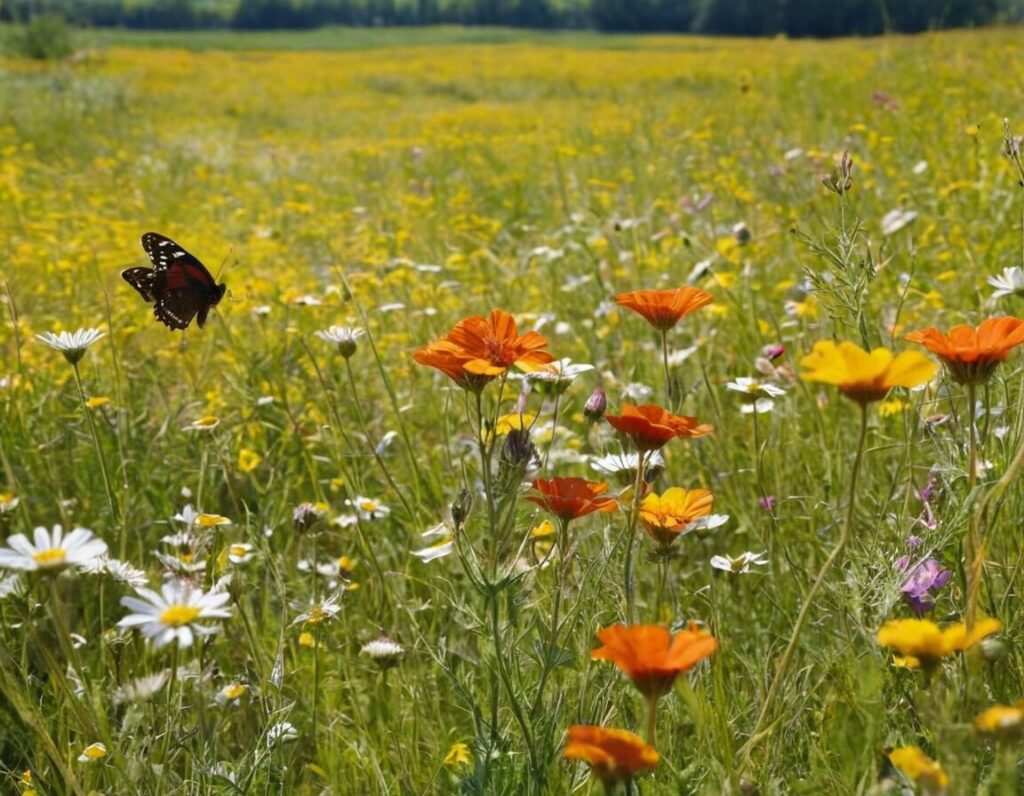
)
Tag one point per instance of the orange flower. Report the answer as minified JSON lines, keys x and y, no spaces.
{"x":865,"y":376}
{"x":972,"y":355}
{"x":650,"y":426}
{"x":651,"y":656}
{"x":571,"y":498}
{"x":614,"y":755}
{"x":663,"y":308}
{"x":666,"y":517}
{"x":477,"y":349}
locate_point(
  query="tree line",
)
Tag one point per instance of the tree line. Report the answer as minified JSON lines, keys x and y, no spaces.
{"x":819,"y":18}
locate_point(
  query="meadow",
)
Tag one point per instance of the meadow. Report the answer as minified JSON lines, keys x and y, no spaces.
{"x":372,"y":582}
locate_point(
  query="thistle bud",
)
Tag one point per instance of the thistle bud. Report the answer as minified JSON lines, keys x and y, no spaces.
{"x":518,"y":449}
{"x":305,"y":516}
{"x":596,"y":405}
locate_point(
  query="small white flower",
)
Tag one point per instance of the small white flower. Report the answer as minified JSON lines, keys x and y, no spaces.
{"x":262,"y":311}
{"x":173,"y":614}
{"x":707,"y":523}
{"x":739,"y":565}
{"x":345,"y":337}
{"x":265,"y":400}
{"x":72,"y":345}
{"x":119,"y":570}
{"x":563,"y":371}
{"x":232,"y":693}
{"x":281,"y":732}
{"x":322,"y":611}
{"x":368,"y":508}
{"x":308,"y":301}
{"x":11,"y":583}
{"x":141,"y":688}
{"x":383,"y":650}
{"x":1009,"y":283}
{"x":757,"y":394}
{"x":920,"y":167}
{"x":52,"y":552}
{"x":394,"y":306}
{"x":439,"y":550}
{"x":623,"y":466}
{"x":346,"y":520}
{"x":677,"y":358}
{"x":385,"y":442}
{"x":92,"y":753}
{"x":637,"y":392}
{"x":240,"y":553}
{"x":8,"y":502}
{"x":895,"y":220}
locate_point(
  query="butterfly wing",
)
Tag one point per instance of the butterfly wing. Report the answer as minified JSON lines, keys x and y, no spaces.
{"x":177,"y":309}
{"x":143,"y":280}
{"x":164,"y":252}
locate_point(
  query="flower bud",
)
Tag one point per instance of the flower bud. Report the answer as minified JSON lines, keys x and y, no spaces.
{"x":596,"y":405}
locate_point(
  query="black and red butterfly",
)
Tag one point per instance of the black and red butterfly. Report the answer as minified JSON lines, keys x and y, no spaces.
{"x":178,"y":285}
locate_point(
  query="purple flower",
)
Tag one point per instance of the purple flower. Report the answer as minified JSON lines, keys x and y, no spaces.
{"x":773,"y":351}
{"x":767,"y":502}
{"x":596,"y":405}
{"x":925,"y":579}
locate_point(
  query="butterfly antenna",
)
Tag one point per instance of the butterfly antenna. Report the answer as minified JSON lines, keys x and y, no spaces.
{"x":224,"y":262}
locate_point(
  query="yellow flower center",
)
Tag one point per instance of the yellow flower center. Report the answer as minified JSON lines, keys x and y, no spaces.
{"x":95,"y":751}
{"x":178,"y":615}
{"x":238,"y":550}
{"x":54,"y":557}
{"x":234,"y":691}
{"x":369,"y":506}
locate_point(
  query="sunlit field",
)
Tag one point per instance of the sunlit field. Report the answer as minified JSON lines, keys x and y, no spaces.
{"x":371,"y":581}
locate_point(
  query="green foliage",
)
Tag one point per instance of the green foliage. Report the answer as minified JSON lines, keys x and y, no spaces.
{"x":44,"y":38}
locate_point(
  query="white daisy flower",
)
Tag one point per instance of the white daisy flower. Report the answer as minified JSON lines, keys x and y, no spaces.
{"x":173,"y":614}
{"x":636,"y":392}
{"x":757,"y":394}
{"x":73,"y":345}
{"x":895,"y":220}
{"x":739,"y":565}
{"x":345,"y":337}
{"x":322,"y":611}
{"x":11,"y":583}
{"x":281,"y":732}
{"x":52,"y":552}
{"x":1009,"y":283}
{"x":562,"y":372}
{"x":622,"y":466}
{"x":240,"y":553}
{"x":232,"y":693}
{"x":439,"y":550}
{"x":205,"y":423}
{"x":368,"y":508}
{"x":8,"y":502}
{"x":141,"y":688}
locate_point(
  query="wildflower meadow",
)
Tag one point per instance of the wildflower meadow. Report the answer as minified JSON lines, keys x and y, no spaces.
{"x":558,"y":414}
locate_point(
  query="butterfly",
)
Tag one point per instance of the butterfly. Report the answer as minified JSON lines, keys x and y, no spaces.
{"x":178,"y":285}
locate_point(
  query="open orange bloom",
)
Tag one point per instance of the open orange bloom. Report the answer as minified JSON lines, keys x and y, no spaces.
{"x":650,"y":427}
{"x":663,"y":308}
{"x":971,"y":355}
{"x":478,"y":349}
{"x":670,"y":515}
{"x":571,"y":498}
{"x":614,"y":755}
{"x":651,"y":656}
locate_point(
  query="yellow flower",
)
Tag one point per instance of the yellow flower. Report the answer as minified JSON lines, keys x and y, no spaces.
{"x":1004,"y":720}
{"x":891,"y":407}
{"x":306,"y":639}
{"x":97,"y":401}
{"x":248,"y":460}
{"x":211,"y":520}
{"x":920,"y":768}
{"x":865,"y":377}
{"x":543,"y":530}
{"x":92,"y":753}
{"x":204,"y":423}
{"x":458,"y":756}
{"x":921,"y":641}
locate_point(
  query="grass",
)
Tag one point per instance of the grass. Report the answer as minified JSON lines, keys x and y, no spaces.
{"x":387,"y":181}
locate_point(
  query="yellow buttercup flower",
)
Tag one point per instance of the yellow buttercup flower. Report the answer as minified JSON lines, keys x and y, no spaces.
{"x":248,"y":460}
{"x":922,"y":642}
{"x":865,"y":377}
{"x":458,"y":756}
{"x":918,"y":767}
{"x":1001,"y":720}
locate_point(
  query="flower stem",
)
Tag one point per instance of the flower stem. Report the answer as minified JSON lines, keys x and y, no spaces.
{"x":974,"y":551}
{"x":652,"y":720}
{"x":664,"y":362}
{"x":760,"y":732}
{"x":99,"y":451}
{"x":634,"y":512}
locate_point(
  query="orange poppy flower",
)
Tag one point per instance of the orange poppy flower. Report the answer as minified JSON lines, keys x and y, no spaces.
{"x":651,"y":656}
{"x":668,"y":516}
{"x":478,"y":349}
{"x":663,"y":309}
{"x":571,"y":498}
{"x":614,"y":755}
{"x":650,"y":427}
{"x":451,"y":361}
{"x":972,"y":355}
